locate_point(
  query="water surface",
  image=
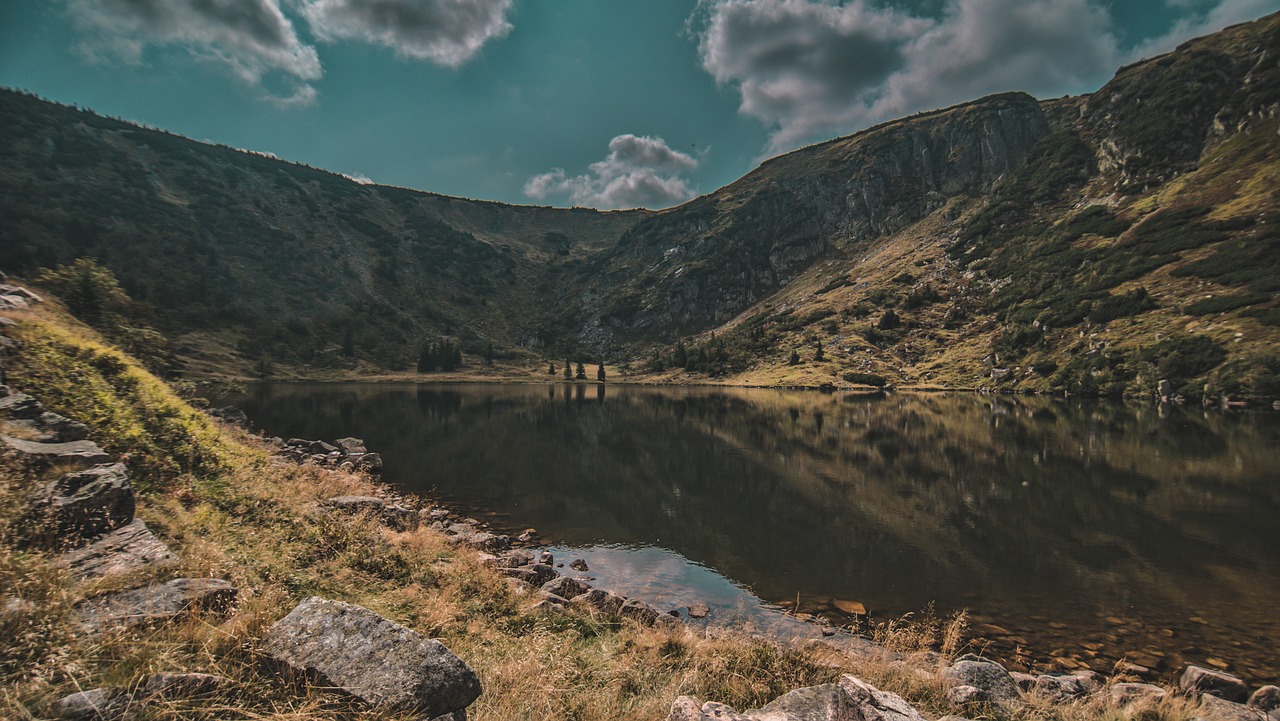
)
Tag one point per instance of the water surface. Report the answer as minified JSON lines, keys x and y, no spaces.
{"x":1075,"y":532}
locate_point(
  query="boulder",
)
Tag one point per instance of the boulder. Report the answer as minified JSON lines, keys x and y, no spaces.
{"x":1025,"y":681}
{"x":877,"y":705}
{"x":566,"y":587}
{"x":369,"y":462}
{"x":21,"y":292}
{"x":99,"y":704}
{"x":125,"y":549}
{"x":985,"y":675}
{"x":86,"y":503}
{"x":1266,"y":698}
{"x":60,"y":429}
{"x":827,"y":702}
{"x":371,"y":658}
{"x":157,"y":604}
{"x":687,"y":708}
{"x":1123,"y":694}
{"x":350,"y":446}
{"x":578,"y":564}
{"x":698,"y":610}
{"x":966,"y":694}
{"x":640,"y":611}
{"x":601,"y":600}
{"x":319,"y":448}
{"x":20,"y":406}
{"x":535,"y":574}
{"x":75,"y":454}
{"x":1200,"y":680}
{"x":1059,"y":688}
{"x":171,"y":686}
{"x":1213,"y":708}
{"x":230,"y":414}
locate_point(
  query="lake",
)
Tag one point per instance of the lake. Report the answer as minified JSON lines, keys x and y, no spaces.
{"x":1076,"y":532}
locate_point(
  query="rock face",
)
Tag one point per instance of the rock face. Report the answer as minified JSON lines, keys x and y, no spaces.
{"x":714,"y":256}
{"x":1196,"y":679}
{"x":125,"y":549}
{"x":86,"y":503}
{"x":75,"y":454}
{"x":987,"y":676}
{"x":376,"y":660}
{"x":157,"y":604}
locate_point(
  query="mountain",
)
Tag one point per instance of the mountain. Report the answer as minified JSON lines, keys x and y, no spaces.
{"x":1091,"y":244}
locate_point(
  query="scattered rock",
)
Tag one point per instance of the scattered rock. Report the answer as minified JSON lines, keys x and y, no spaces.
{"x":86,"y":503}
{"x":1123,"y":694}
{"x":372,"y":658}
{"x":157,"y":604}
{"x":687,"y":708}
{"x":393,"y":515}
{"x":640,"y":611}
{"x":566,"y":587}
{"x":985,"y":675}
{"x":369,"y":462}
{"x":699,"y":610}
{"x":601,"y":600}
{"x":125,"y":549}
{"x":230,"y":414}
{"x":99,"y":704}
{"x":75,"y":454}
{"x":878,"y":705}
{"x":1200,"y":680}
{"x":1266,"y":698}
{"x":21,"y":292}
{"x":1059,"y":688}
{"x":20,"y":406}
{"x":535,"y":574}
{"x":1025,"y":681}
{"x":966,"y":694}
{"x":351,"y":446}
{"x":827,"y":702}
{"x":578,"y":564}
{"x":547,"y":558}
{"x":552,"y":598}
{"x":182,"y":685}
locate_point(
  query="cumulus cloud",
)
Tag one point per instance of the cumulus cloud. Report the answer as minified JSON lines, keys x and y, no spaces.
{"x":448,"y":32}
{"x":813,"y":68}
{"x":253,"y":38}
{"x":638,"y":172}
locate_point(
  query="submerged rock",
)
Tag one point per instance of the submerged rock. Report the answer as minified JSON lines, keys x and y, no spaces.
{"x":371,"y":658}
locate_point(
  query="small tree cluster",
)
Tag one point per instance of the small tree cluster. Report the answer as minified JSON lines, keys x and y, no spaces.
{"x":443,"y":355}
{"x":711,"y":357}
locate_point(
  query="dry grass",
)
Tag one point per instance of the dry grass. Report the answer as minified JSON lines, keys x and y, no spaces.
{"x":230,"y":511}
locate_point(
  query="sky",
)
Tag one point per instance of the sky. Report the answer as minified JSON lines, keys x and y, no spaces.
{"x":598,"y":103}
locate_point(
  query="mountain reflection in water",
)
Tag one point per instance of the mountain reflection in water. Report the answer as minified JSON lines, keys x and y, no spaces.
{"x":1076,"y":530}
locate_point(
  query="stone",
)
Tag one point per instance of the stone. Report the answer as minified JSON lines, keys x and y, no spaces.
{"x":60,"y":429}
{"x":230,"y":414}
{"x":966,"y":694}
{"x":535,"y":574}
{"x":319,"y":448}
{"x":1058,"y":688}
{"x":827,"y":702}
{"x":21,"y":292}
{"x":1024,"y":680}
{"x":1123,"y":694}
{"x":601,"y":600}
{"x":1090,"y":680}
{"x":369,"y":462}
{"x":157,"y":604}
{"x":392,"y":515}
{"x":642,"y":612}
{"x":687,"y":708}
{"x":74,"y":454}
{"x":566,"y":587}
{"x":853,"y":608}
{"x":99,"y":704}
{"x":698,"y":610}
{"x":86,"y":503}
{"x":350,"y":446}
{"x":1213,"y":708}
{"x":986,"y":675}
{"x":484,"y":541}
{"x":171,"y":686}
{"x":547,"y":558}
{"x":878,"y":705}
{"x":549,"y":597}
{"x":125,"y":549}
{"x":1266,"y":698}
{"x":578,"y":564}
{"x":20,"y":406}
{"x":1164,"y":388}
{"x":1200,"y":680}
{"x":376,"y":660}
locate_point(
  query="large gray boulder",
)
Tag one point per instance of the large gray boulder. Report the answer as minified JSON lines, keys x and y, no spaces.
{"x":125,"y":549}
{"x":987,"y":676}
{"x":1200,"y":680}
{"x":73,"y":454}
{"x":877,"y":705}
{"x":86,"y":503}
{"x":827,"y":702}
{"x":371,"y":658}
{"x":157,"y":604}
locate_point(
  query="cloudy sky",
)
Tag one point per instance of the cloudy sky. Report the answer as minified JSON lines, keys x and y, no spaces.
{"x":603,"y":103}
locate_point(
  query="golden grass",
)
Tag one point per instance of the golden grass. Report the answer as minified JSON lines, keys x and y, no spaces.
{"x":229,"y":510}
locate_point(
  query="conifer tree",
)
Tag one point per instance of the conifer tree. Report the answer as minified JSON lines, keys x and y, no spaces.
{"x":568,"y":370}
{"x":818,"y":355}
{"x":551,"y":368}
{"x":600,"y":371}
{"x":582,"y":371}
{"x":794,"y":360}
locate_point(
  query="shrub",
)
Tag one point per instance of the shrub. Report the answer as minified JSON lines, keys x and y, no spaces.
{"x":865,"y":379}
{"x":1184,"y":357}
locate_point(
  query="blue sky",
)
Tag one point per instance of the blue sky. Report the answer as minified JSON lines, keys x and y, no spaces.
{"x":605,"y":103}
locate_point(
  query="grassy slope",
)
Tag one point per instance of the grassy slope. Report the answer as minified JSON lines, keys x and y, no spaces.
{"x":216,"y":497}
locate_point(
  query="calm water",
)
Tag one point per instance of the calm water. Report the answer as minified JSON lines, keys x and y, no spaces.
{"x":1074,"y":531}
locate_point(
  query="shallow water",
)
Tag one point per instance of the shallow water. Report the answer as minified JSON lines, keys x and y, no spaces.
{"x":1075,"y":532}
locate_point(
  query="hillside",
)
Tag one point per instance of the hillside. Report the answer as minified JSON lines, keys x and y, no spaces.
{"x":1095,"y":244}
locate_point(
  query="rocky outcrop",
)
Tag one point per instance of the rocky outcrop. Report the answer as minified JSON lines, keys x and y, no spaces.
{"x":157,"y":604}
{"x":125,"y":549}
{"x":371,"y":658}
{"x":72,"y":454}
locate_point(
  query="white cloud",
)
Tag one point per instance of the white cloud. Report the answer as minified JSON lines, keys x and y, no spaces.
{"x":810,"y":69}
{"x":447,"y":32}
{"x":253,"y":38}
{"x":638,"y":172}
